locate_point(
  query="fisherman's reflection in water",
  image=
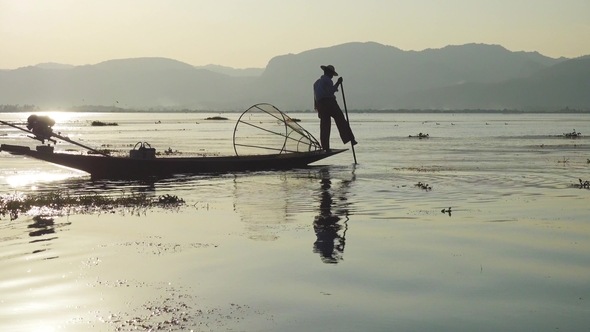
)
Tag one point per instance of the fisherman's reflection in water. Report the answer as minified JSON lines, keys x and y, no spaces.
{"x":330,"y":227}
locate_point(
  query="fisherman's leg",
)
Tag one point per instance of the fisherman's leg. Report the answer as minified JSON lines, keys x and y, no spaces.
{"x":325,"y":127}
{"x":343,"y":127}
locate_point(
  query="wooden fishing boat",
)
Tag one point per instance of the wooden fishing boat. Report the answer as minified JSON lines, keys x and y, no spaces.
{"x":261,"y":128}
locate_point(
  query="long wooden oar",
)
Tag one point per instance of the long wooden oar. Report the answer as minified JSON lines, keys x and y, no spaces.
{"x":346,"y":112}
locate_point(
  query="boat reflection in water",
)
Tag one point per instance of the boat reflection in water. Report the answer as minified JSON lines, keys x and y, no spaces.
{"x":331,"y":224}
{"x":43,"y":232}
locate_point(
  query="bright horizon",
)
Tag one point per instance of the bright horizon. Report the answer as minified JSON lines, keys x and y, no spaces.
{"x":248,"y":34}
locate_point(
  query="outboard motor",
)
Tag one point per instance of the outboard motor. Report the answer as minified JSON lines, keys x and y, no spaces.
{"x":41,"y":126}
{"x":142,"y":151}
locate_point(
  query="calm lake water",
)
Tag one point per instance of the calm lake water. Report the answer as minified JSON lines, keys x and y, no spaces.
{"x":335,"y":247}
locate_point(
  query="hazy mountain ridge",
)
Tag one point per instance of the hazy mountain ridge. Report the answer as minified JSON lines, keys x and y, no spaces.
{"x":53,"y":65}
{"x":128,"y":83}
{"x":375,"y":77}
{"x":234,"y":72}
{"x":562,"y":85}
{"x":378,"y":76}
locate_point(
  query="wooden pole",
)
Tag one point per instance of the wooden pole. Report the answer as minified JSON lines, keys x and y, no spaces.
{"x":346,"y":112}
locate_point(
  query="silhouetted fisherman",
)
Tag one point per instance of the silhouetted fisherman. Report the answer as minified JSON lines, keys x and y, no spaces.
{"x":327,"y":107}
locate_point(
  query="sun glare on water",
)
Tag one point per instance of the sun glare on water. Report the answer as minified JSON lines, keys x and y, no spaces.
{"x":59,"y":116}
{"x":30,"y":180}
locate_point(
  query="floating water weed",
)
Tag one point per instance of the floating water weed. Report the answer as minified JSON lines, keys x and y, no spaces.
{"x":62,"y":202}
{"x":100,"y":151}
{"x":170,"y":200}
{"x":573,"y":134}
{"x":446,"y":211}
{"x":101,"y":124}
{"x":420,"y":135}
{"x":424,"y":186}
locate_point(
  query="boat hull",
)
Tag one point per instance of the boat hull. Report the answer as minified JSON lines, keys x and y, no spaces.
{"x":101,"y":167}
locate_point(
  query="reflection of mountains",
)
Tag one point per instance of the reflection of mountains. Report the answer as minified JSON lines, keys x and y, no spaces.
{"x":331,"y":224}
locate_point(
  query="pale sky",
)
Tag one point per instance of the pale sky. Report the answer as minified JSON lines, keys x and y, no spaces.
{"x":248,"y":33}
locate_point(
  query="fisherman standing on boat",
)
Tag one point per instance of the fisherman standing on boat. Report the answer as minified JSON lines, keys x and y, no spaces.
{"x":327,"y":107}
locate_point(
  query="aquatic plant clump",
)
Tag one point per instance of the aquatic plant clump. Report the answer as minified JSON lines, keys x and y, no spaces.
{"x":573,"y":134}
{"x":100,"y":151}
{"x":424,"y":186}
{"x":420,"y":136}
{"x":62,"y":202}
{"x":102,"y":124}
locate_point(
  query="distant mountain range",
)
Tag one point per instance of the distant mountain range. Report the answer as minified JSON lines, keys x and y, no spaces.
{"x":377,"y":77}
